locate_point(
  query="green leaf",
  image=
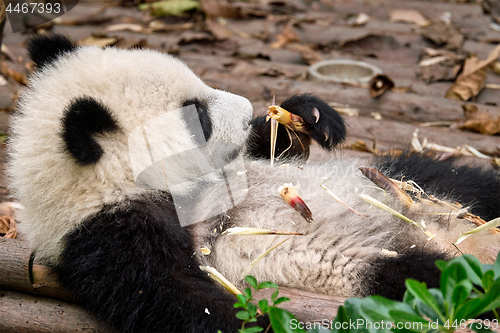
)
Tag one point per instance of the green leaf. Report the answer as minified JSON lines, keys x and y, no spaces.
{"x":496,"y":267}
{"x":415,"y":322}
{"x":239,"y":305}
{"x":409,"y":299}
{"x":465,"y":311}
{"x":488,"y":280}
{"x":281,"y":300}
{"x":170,"y":7}
{"x":267,"y":284}
{"x":242,"y":299}
{"x":274,"y":295}
{"x":419,"y":290}
{"x":252,"y":310}
{"x":280,"y":321}
{"x":252,"y":329}
{"x":264,"y":305}
{"x":450,"y":277}
{"x":461,"y":293}
{"x":441,"y":264}
{"x":248,"y":293}
{"x":243,"y":315}
{"x":251,"y":281}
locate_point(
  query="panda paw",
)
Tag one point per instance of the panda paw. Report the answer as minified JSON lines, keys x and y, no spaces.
{"x":322,"y":123}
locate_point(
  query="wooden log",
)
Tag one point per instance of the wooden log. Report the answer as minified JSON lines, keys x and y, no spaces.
{"x":23,"y":313}
{"x":15,"y":272}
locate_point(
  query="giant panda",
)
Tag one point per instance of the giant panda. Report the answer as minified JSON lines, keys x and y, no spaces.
{"x":127,"y":164}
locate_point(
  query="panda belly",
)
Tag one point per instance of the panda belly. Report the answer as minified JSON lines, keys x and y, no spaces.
{"x":340,"y":252}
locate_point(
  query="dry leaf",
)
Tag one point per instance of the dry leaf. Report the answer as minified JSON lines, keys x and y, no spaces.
{"x":308,"y":54}
{"x":360,"y":145}
{"x":379,"y":85}
{"x":440,"y":68}
{"x":219,"y":8}
{"x":15,"y":75}
{"x":159,"y":26}
{"x":98,"y":41}
{"x":408,"y":16}
{"x":8,"y":227}
{"x":131,"y":43}
{"x":441,"y":33}
{"x":359,"y":20}
{"x":288,"y":35}
{"x":488,"y":126}
{"x":127,"y":27}
{"x":170,"y":7}
{"x":218,"y":31}
{"x":473,"y":77}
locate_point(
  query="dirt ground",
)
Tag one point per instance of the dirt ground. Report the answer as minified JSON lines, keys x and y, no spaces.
{"x":261,"y":49}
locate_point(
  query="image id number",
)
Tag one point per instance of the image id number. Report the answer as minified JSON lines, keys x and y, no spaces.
{"x":33,"y":7}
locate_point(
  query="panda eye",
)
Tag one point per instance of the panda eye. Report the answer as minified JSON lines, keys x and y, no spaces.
{"x":203,"y":115}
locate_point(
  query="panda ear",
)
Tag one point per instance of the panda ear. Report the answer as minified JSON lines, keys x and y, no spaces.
{"x":45,"y":49}
{"x":84,"y":118}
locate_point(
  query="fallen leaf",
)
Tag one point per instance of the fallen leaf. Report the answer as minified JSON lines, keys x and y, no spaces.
{"x":8,"y":227}
{"x":219,"y":8}
{"x":170,"y":7}
{"x":127,"y":27}
{"x":218,"y":31}
{"x":479,"y":121}
{"x":128,"y":43}
{"x":98,"y":41}
{"x":360,"y":145}
{"x":246,"y":68}
{"x":440,"y":68}
{"x":359,"y":20}
{"x":379,"y":84}
{"x":15,"y":75}
{"x":159,"y":26}
{"x":407,"y":16}
{"x":472,"y":79}
{"x":443,"y":34}
{"x":307,"y":53}
{"x":288,"y":35}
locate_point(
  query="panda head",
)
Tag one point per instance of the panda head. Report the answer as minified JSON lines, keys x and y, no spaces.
{"x":94,"y":122}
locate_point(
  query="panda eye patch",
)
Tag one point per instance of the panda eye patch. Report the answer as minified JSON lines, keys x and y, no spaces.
{"x":83,"y":119}
{"x":203,"y":116}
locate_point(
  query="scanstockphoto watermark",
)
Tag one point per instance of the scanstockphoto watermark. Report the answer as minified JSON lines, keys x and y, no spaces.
{"x":26,"y":14}
{"x":361,"y":324}
{"x":188,"y":167}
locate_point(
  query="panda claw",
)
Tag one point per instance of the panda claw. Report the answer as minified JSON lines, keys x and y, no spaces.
{"x":315,"y":113}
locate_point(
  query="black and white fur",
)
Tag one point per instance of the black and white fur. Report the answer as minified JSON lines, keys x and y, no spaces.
{"x":119,"y":247}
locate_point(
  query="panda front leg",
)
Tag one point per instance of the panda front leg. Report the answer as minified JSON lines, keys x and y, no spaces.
{"x":135,"y":270}
{"x":323,"y":124}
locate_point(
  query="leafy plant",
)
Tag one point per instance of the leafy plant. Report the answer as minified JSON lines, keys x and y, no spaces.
{"x":280,"y":319}
{"x":467,"y":290}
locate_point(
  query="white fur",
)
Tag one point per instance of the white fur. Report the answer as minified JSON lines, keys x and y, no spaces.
{"x":139,"y":86}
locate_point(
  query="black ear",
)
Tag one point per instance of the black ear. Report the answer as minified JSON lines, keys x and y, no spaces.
{"x":45,"y":49}
{"x":83,"y":119}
